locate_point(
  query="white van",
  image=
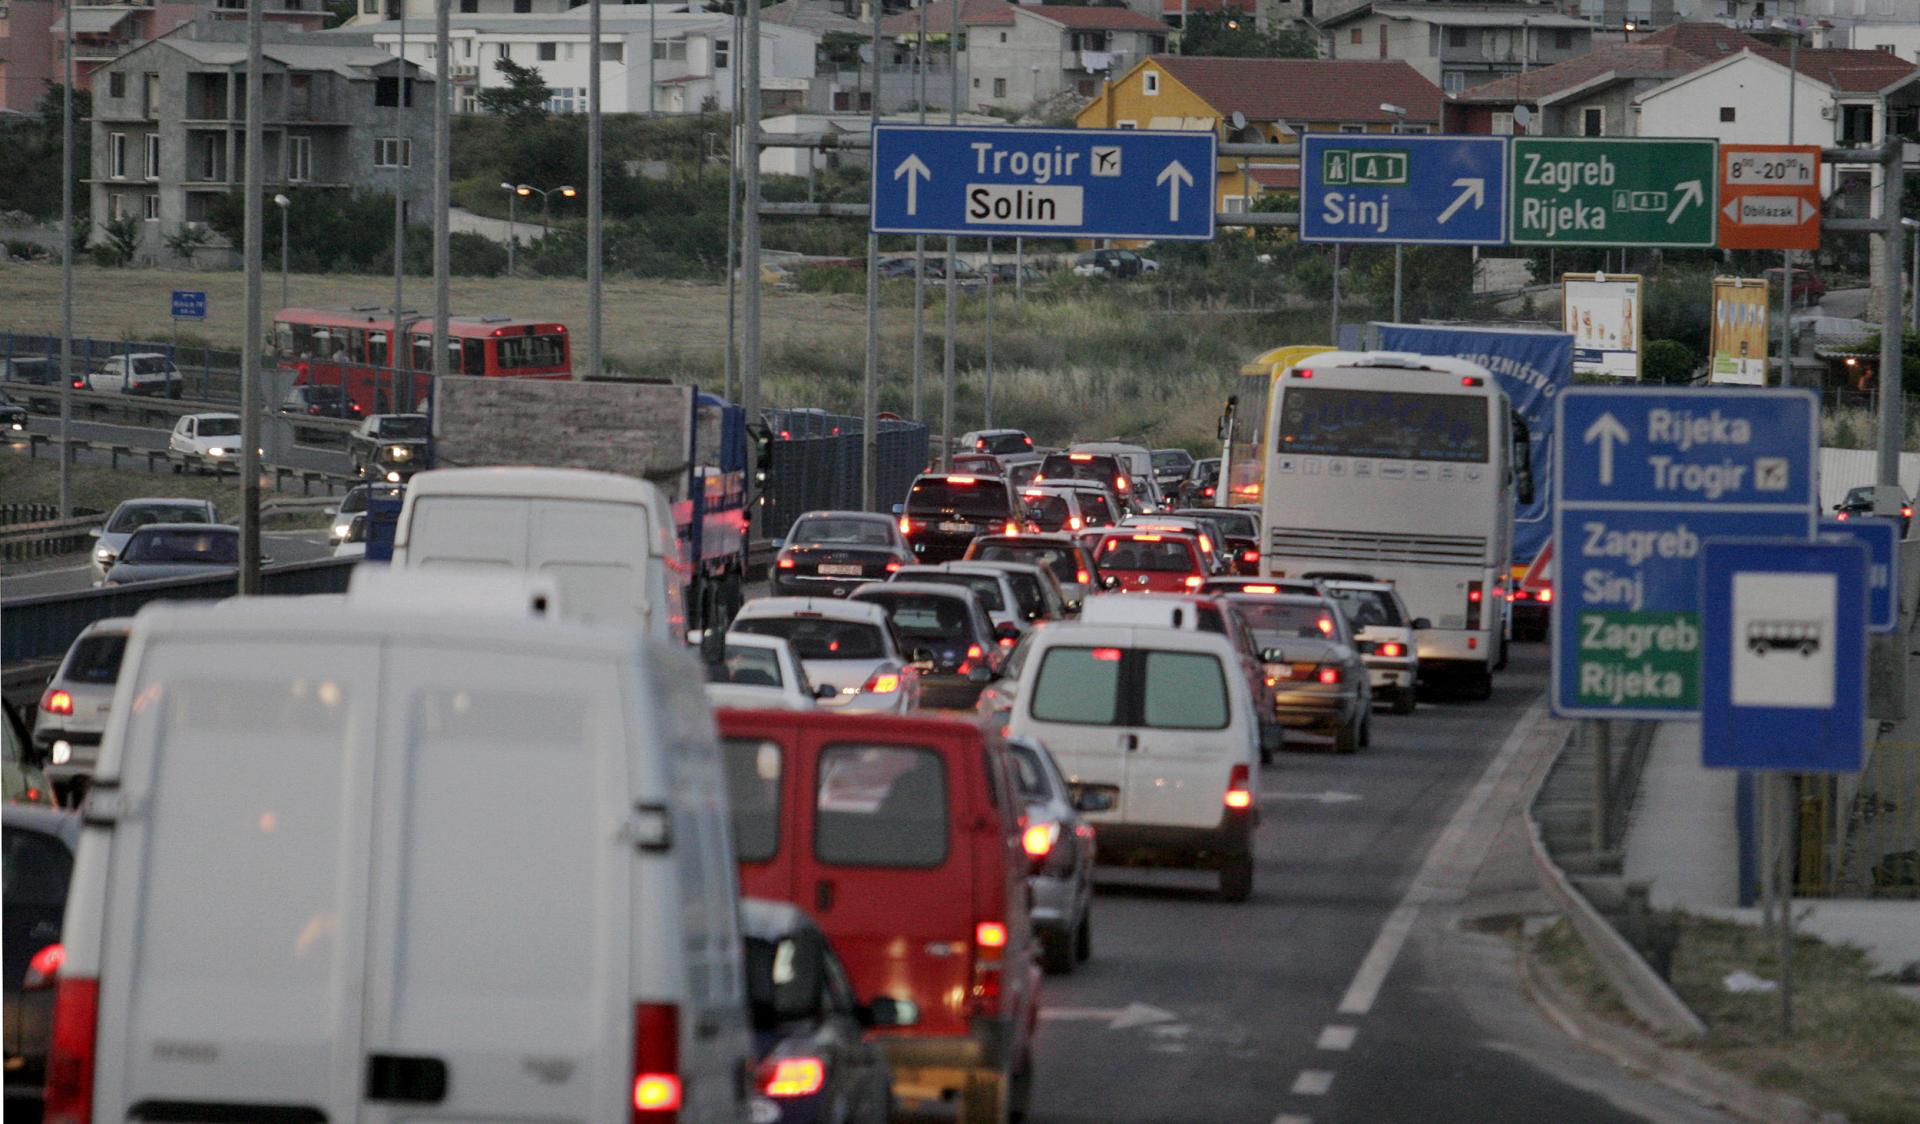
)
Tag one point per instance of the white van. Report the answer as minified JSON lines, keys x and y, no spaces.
{"x":1136,"y":459}
{"x":606,"y":540}
{"x":354,"y":863}
{"x":1161,"y":720}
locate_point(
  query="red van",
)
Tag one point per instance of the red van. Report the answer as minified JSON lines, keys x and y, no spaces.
{"x":901,"y":837}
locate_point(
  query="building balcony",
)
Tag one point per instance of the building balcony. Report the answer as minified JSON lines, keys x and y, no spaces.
{"x":1094,"y":62}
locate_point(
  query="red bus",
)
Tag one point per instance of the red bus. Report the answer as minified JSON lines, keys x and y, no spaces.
{"x":347,"y":348}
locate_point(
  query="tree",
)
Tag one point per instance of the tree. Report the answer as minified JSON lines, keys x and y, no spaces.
{"x":340,"y":11}
{"x":1668,"y":361}
{"x":186,"y":240}
{"x":122,"y":241}
{"x":523,"y":98}
{"x":1233,"y":35}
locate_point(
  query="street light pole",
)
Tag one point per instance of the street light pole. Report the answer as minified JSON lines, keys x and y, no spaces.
{"x":285,"y":204}
{"x":1399,"y":250}
{"x":251,"y":223}
{"x":594,"y":230}
{"x":513,"y":228}
{"x":66,"y":276}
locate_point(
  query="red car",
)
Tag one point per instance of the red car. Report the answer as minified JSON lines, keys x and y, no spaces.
{"x":901,"y":837}
{"x":1149,"y":562}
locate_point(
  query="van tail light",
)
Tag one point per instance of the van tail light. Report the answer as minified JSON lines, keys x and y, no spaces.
{"x":44,"y":969}
{"x":974,"y":652}
{"x":656,"y":1063}
{"x":1195,"y":581}
{"x":1074,"y":522}
{"x":1081,"y":577}
{"x":1474,"y":597}
{"x":1391,"y":649}
{"x":1206,"y":491}
{"x":893,"y":567}
{"x":881,"y":683}
{"x":56,"y":701}
{"x":1545,"y":596}
{"x":792,"y":1077}
{"x":1239,"y":795}
{"x":76,"y":1016}
{"x":1329,"y":675}
{"x":990,"y":941}
{"x":906,"y":525}
{"x":785,"y":561}
{"x":1039,"y":839}
{"x":1326,"y":626}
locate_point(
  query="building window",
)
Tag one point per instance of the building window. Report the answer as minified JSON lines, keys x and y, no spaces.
{"x":1411,"y":130}
{"x":1150,"y":83}
{"x":150,"y":95}
{"x":664,"y":50}
{"x":522,"y":7}
{"x":1003,"y":37}
{"x":392,"y":152}
{"x":722,"y":53}
{"x":1453,"y":81}
{"x":117,"y":156}
{"x":299,"y":159}
{"x":1593,"y":121}
{"x":153,"y":207}
{"x":976,"y":83}
{"x":469,"y":7}
{"x":1126,"y":124}
{"x":1726,"y":113}
{"x":1563,"y":40}
{"x":1355,"y":36}
{"x":1502,"y":123}
{"x":116,"y":85}
{"x":153,"y":156}
{"x":503,"y":50}
{"x":1234,"y":204}
{"x":369,"y":7}
{"x":1353,"y":128}
{"x":1456,"y":37}
{"x":1856,"y":124}
{"x":617,"y":52}
{"x":549,"y":52}
{"x":116,"y":206}
{"x":387,"y":92}
{"x":999,"y":87}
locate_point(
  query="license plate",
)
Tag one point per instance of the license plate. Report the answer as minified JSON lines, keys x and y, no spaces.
{"x":840,"y":571}
{"x":956,"y":526}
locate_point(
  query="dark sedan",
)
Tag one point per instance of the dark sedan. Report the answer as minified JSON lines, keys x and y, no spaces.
{"x":177,"y":550}
{"x":814,"y":1063}
{"x":1858,"y":504}
{"x":835,"y":552}
{"x":39,"y":845}
{"x":947,"y":635}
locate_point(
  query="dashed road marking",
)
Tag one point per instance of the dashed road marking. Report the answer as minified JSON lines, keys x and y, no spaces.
{"x":1292,"y":1118}
{"x":1336,"y":1037}
{"x":1313,"y":1083}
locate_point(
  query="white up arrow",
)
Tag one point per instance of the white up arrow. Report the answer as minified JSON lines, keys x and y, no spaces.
{"x":1690,"y":192}
{"x":915,"y":171}
{"x":1607,"y":430}
{"x":1476,"y":191}
{"x":1174,"y":174}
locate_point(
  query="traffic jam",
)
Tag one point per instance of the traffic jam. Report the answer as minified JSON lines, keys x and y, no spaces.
{"x":830,"y":884}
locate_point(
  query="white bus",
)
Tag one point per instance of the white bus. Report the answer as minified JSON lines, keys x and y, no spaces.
{"x":1401,"y":468}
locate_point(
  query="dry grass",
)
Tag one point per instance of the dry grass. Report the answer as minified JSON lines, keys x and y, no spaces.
{"x":24,"y":480}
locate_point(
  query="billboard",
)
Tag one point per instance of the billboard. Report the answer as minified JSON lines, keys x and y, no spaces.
{"x":1602,"y":311}
{"x":1739,"y":331}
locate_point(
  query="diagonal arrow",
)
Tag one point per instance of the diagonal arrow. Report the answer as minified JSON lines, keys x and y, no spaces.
{"x":915,"y":171}
{"x":1174,"y":174}
{"x":1606,"y":429}
{"x":1476,"y":190}
{"x":1690,"y":192}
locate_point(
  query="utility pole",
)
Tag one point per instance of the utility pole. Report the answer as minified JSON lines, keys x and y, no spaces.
{"x":594,"y":231}
{"x":730,"y":355}
{"x":513,"y":226}
{"x":1893,"y":188}
{"x":652,"y":38}
{"x":919,"y":240}
{"x":399,"y":343}
{"x":251,"y":224}
{"x":953,"y":244}
{"x":870,"y":400}
{"x":750,"y":223}
{"x":1786,"y":256}
{"x":66,"y":276}
{"x":442,"y":170}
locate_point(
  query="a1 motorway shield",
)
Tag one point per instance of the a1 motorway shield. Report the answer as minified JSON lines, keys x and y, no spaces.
{"x":1645,"y":478}
{"x":1067,"y":183}
{"x":1379,"y":188}
{"x":1597,"y":191}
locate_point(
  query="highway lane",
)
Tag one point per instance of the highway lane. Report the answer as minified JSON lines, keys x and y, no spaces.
{"x":147,"y":437}
{"x":1196,"y":1010}
{"x":76,"y":574}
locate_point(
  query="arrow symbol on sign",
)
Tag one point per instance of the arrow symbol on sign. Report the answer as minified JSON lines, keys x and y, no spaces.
{"x":915,"y":171}
{"x":1476,"y":191}
{"x":1690,"y":192}
{"x":1174,"y":174}
{"x":1606,"y":429}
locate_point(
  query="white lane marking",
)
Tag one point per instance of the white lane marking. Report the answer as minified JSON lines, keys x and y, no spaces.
{"x":1292,"y":1118}
{"x":1433,"y":881}
{"x":1312,"y":1083}
{"x":1336,"y":1037}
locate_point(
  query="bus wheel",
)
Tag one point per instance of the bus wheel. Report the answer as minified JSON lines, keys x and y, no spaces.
{"x":1480,"y":685}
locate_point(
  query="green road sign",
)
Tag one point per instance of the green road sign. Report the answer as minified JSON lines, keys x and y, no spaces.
{"x":1593,"y":191}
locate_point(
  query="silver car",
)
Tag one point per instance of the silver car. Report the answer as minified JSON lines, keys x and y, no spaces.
{"x":178,"y":550}
{"x":352,"y":504}
{"x":1383,"y":630}
{"x":1059,"y":846}
{"x":73,"y":709}
{"x":993,"y":587}
{"x":1319,"y":683}
{"x":848,"y":645}
{"x":132,"y":515}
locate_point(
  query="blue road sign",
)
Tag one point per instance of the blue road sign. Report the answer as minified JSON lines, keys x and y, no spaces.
{"x":1785,"y":651}
{"x":189,"y":304}
{"x":1394,"y":188}
{"x":1882,"y":540}
{"x":1645,"y":477}
{"x":1061,"y":183}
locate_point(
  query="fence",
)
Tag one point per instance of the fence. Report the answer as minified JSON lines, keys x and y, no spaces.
{"x":208,"y":374}
{"x":816,"y":465}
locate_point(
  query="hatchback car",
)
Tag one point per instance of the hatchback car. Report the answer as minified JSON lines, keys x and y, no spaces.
{"x":1149,"y":562}
{"x":848,"y":645}
{"x":1208,"y":534}
{"x":1069,"y":561}
{"x":948,"y":637}
{"x":177,"y":550}
{"x":1240,"y":528}
{"x":1170,"y":468}
{"x":1050,"y":510}
{"x":38,"y":859}
{"x":204,"y":441}
{"x":1059,"y":845}
{"x":74,"y":707}
{"x":1036,"y":592}
{"x":1858,"y":503}
{"x":997,"y":442}
{"x":994,"y":589}
{"x":835,"y":552}
{"x":1383,"y":631}
{"x":1320,"y":683}
{"x":131,"y":515}
{"x":945,"y":511}
{"x":761,"y":673}
{"x":813,"y":1061}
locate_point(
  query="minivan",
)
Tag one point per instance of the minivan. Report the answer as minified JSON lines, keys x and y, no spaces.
{"x":365,"y":863}
{"x":901,"y":837}
{"x":1162,"y":720}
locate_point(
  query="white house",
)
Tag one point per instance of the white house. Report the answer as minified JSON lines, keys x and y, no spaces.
{"x":803,"y":161}
{"x":666,"y":62}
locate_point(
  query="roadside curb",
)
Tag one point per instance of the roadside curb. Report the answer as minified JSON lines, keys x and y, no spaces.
{"x":1641,"y":1054}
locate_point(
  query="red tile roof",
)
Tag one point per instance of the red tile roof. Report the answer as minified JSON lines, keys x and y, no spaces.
{"x":1095,"y":19}
{"x":1848,"y":71}
{"x":1345,"y":90}
{"x":1182,"y":7}
{"x":1285,"y":179}
{"x":973,"y":13}
{"x":1710,"y":41}
{"x":1651,"y":59}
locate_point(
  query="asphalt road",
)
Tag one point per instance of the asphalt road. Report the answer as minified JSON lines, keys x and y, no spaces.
{"x":143,"y":437}
{"x":76,"y":574}
{"x":1196,"y":1010}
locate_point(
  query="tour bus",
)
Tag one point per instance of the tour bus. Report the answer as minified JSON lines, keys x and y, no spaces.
{"x":1402,"y":468}
{"x":1243,"y":425}
{"x":347,"y":348}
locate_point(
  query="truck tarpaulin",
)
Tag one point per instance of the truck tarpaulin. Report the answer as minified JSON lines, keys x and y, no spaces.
{"x":1532,"y":366}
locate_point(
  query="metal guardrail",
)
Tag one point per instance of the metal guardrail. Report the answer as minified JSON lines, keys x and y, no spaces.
{"x":47,"y":537}
{"x":308,"y":478}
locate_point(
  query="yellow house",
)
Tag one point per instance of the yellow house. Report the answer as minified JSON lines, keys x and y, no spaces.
{"x":1253,"y":101}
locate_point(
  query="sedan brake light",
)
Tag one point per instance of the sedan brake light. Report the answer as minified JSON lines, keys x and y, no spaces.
{"x":1039,"y":839}
{"x":57,"y":702}
{"x":793,"y":1077}
{"x":1390,"y":648}
{"x":881,"y":683}
{"x":44,"y":968}
{"x":1329,"y":675}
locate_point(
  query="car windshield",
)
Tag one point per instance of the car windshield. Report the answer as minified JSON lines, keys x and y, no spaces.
{"x":1020,"y":475}
{"x":970,"y":497}
{"x":150,"y":366}
{"x":858,"y":532}
{"x":1026,"y":590}
{"x":96,"y":658}
{"x":988,"y":588}
{"x":747,"y":667}
{"x":816,"y":638}
{"x":1306,"y":622}
{"x":131,"y":518}
{"x":205,"y":547}
{"x":404,"y":426}
{"x":322,"y":393}
{"x":1368,"y":608}
{"x":1063,"y":561}
{"x":1096,"y":508}
{"x":1172,"y":460}
{"x":1063,"y":466}
{"x":1153,"y":553}
{"x":925,"y":616}
{"x":220,"y":427}
{"x":1236,"y":523}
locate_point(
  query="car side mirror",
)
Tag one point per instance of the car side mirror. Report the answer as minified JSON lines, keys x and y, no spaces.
{"x":1421,"y":624}
{"x":1093,"y":799}
{"x":1073,"y":606}
{"x":797,"y":995}
{"x":980,"y":675}
{"x":266,"y":559}
{"x":1110,"y":581}
{"x":825,"y":691}
{"x":1272,"y":655}
{"x":93,"y":532}
{"x":888,"y":1011}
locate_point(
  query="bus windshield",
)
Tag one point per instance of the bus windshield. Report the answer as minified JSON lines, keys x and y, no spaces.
{"x":1383,"y":424}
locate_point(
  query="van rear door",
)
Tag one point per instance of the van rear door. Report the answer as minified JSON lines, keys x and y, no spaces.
{"x":499,"y":956}
{"x":1073,"y":700}
{"x":763,"y":762}
{"x":232,"y":961}
{"x":1188,"y":741}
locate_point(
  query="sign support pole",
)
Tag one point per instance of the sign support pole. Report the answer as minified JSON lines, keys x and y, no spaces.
{"x":1783,"y":870}
{"x":870,"y":396}
{"x":1893,"y":186}
{"x":1597,"y":734}
{"x":1333,"y":337}
{"x":1399,"y":261}
{"x":953,"y":244}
